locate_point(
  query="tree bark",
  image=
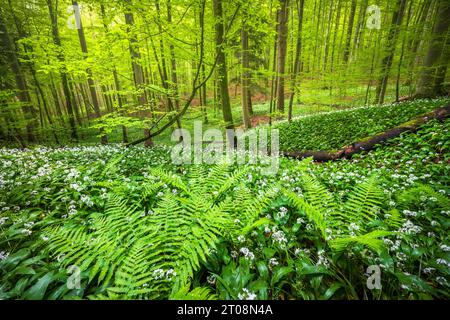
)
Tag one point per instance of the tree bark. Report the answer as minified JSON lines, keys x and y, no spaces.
{"x":65,"y":82}
{"x":436,"y":60}
{"x":221,"y":64}
{"x":92,"y":89}
{"x":389,"y":58}
{"x":349,"y":32}
{"x":282,"y":18}
{"x":298,"y":52}
{"x":138,"y":73}
{"x":245,"y":77}
{"x":23,"y":94}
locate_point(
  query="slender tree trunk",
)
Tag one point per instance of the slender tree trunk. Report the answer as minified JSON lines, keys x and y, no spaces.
{"x":23,"y":94}
{"x":419,"y":23}
{"x":298,"y":52}
{"x":336,"y":31}
{"x":221,"y":64}
{"x":273,"y":87}
{"x":92,"y":89}
{"x":65,"y":82}
{"x":137,"y":69}
{"x":282,"y":18}
{"x":430,"y":79}
{"x":349,"y":32}
{"x":116,"y":80}
{"x":327,"y":38}
{"x":386,"y":64}
{"x":245,"y":77}
{"x":173,"y":65}
{"x":399,"y":69}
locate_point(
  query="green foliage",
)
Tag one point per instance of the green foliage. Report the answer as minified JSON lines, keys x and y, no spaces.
{"x":333,"y":130}
{"x":138,"y":226}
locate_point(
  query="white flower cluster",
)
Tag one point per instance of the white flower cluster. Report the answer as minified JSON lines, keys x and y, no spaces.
{"x":86,"y":200}
{"x":393,"y":246}
{"x":3,"y":220}
{"x":247,"y":253}
{"x":279,"y":237}
{"x":282,"y":212}
{"x":161,"y":274}
{"x":322,"y":259}
{"x":443,"y":262}
{"x":72,"y":208}
{"x":3,"y":255}
{"x":299,"y":251}
{"x":410,"y":228}
{"x":273,"y":262}
{"x":428,"y":270}
{"x":246,"y":295}
{"x":353,"y":228}
{"x":410,"y":213}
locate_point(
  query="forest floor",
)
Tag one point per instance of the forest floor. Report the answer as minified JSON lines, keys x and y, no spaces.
{"x":138,"y":226}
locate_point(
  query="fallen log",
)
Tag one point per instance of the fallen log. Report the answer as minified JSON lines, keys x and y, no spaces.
{"x":370,"y":143}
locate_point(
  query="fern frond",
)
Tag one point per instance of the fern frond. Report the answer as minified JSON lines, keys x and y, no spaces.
{"x":371,"y":240}
{"x":198,"y":293}
{"x":169,"y":178}
{"x":313,"y":212}
{"x":363,"y":204}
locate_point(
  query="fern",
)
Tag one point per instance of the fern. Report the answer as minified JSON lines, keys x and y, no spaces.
{"x":347,"y":223}
{"x":131,"y":254}
{"x":198,"y":293}
{"x":362,"y":204}
{"x":371,"y":240}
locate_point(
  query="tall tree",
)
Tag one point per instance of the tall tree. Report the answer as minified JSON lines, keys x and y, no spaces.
{"x":298,"y":52}
{"x":173,"y":65}
{"x":138,"y":73}
{"x":388,"y":59}
{"x":437,"y":59}
{"x":90,"y":80}
{"x":22,"y":94}
{"x":222,"y":73}
{"x":245,"y":76}
{"x":282,"y":30}
{"x":64,"y":78}
{"x":349,"y":31}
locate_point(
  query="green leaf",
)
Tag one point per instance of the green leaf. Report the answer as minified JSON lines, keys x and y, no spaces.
{"x":279,"y":273}
{"x":37,"y":291}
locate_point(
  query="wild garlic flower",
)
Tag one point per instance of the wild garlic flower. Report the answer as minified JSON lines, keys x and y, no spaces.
{"x":247,"y":295}
{"x":247,"y":253}
{"x":3,"y":220}
{"x":3,"y":255}
{"x":273,"y":262}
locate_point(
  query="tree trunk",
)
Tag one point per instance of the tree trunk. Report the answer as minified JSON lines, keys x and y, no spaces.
{"x":282,"y":18}
{"x":221,"y":65}
{"x":298,"y":51}
{"x":349,"y":32}
{"x":23,"y":95}
{"x":65,"y":82}
{"x":437,"y":59}
{"x":137,"y":70}
{"x":173,"y":65}
{"x":92,"y":90}
{"x":386,"y":64}
{"x":245,"y":77}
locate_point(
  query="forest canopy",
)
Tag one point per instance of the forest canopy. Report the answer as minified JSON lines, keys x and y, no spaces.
{"x":113,"y":69}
